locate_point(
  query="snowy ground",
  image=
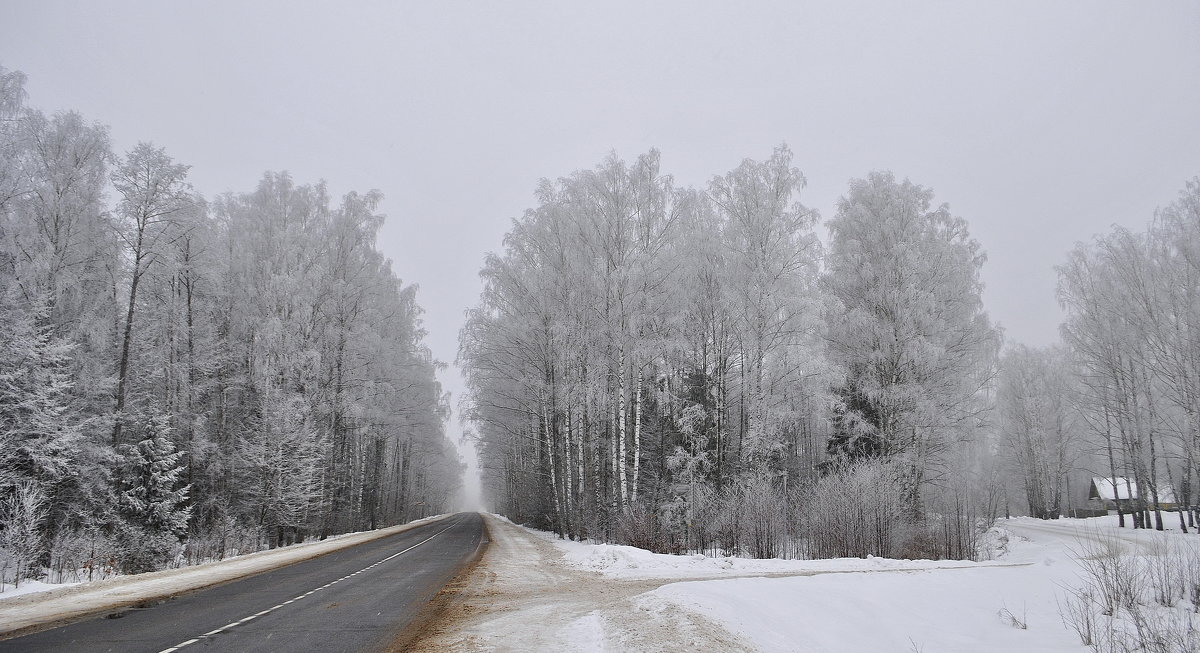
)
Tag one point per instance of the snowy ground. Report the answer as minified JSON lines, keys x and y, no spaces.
{"x":37,"y":603}
{"x":537,"y":593}
{"x":30,"y":587}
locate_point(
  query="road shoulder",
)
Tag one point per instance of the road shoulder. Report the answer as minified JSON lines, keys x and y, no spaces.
{"x":522,"y":596}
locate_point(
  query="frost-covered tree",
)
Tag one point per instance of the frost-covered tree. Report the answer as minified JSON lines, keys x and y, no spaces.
{"x":1132,"y":315}
{"x":771,"y":272}
{"x":279,"y":474}
{"x":153,"y":494}
{"x":22,"y":539}
{"x":39,"y":430}
{"x":282,"y":359}
{"x":635,"y":338}
{"x":12,"y":149}
{"x":1039,"y":424}
{"x":908,"y":324}
{"x":1172,"y":310}
{"x":154,"y":196}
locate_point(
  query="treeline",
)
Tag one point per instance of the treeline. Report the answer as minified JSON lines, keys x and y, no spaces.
{"x":235,"y":373}
{"x":684,"y":368}
{"x":1132,"y":342}
{"x":1121,"y":397}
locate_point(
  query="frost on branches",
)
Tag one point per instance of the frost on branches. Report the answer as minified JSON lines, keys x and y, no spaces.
{"x":184,"y":378}
{"x":153,"y":497}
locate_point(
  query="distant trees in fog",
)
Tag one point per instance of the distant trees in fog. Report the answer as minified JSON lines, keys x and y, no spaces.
{"x":1133,"y":330}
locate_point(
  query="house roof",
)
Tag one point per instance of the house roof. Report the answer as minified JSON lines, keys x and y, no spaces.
{"x":1110,"y":489}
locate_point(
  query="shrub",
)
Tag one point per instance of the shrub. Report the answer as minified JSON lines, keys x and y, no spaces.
{"x":1131,"y":603}
{"x":141,"y":550}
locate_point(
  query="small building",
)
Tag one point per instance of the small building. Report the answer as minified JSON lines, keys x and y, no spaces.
{"x":1122,"y":493}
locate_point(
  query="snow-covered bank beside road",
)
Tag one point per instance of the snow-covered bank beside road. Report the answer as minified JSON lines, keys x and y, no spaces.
{"x":534,"y":592}
{"x":627,"y":562}
{"x":927,"y":610}
{"x":23,"y":611}
{"x":981,"y":608}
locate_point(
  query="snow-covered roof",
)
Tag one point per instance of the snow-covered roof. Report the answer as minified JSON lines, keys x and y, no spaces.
{"x":1115,"y":488}
{"x":1120,"y":488}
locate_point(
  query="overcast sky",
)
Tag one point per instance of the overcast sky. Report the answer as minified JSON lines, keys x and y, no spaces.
{"x":1040,"y":123}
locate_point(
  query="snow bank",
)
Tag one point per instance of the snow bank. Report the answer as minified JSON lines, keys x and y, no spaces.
{"x":930,"y":610}
{"x":29,"y":587}
{"x":618,"y":561}
{"x":1009,"y":605}
{"x":57,"y":603}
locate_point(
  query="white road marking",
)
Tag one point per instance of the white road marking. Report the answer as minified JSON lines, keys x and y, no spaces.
{"x":276,"y":607}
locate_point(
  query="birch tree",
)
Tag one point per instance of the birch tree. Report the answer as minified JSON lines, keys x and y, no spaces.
{"x":1131,"y":311}
{"x":154,"y":194}
{"x":909,"y":325}
{"x":1038,"y":424}
{"x":771,"y":270}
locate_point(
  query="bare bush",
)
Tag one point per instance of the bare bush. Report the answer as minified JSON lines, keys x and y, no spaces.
{"x":1008,"y":618}
{"x":1132,"y":603}
{"x":82,"y":555}
{"x":752,"y":518}
{"x":854,"y":511}
{"x":226,"y":538}
{"x":640,"y":527}
{"x":1078,"y":613}
{"x":21,"y":515}
{"x":857,"y":509}
{"x":1116,"y":579}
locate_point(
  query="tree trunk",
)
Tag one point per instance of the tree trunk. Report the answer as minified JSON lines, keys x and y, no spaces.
{"x":546,"y":428}
{"x":123,"y":367}
{"x":622,"y":418}
{"x":1112,"y":468}
{"x":637,"y":436}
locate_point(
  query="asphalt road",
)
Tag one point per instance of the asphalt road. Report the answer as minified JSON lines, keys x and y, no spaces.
{"x":356,"y":599}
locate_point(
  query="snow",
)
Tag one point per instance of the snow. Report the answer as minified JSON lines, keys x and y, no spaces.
{"x":935,"y":610}
{"x":600,"y":597}
{"x":587,"y":633}
{"x":29,"y":587}
{"x":618,"y":561}
{"x":44,"y":603}
{"x":971,"y":608}
{"x":1110,"y":488}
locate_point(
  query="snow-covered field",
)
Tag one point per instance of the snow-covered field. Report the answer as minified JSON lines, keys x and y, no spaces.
{"x":540,"y":593}
{"x":1009,"y":604}
{"x":37,"y":603}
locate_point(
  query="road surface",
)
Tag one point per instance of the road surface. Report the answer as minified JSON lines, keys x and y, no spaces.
{"x":355,"y":599}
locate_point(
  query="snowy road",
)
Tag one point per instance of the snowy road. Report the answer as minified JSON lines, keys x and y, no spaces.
{"x":358,"y":599}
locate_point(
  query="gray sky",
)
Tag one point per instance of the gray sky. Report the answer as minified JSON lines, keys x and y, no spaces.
{"x":1040,"y":123}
